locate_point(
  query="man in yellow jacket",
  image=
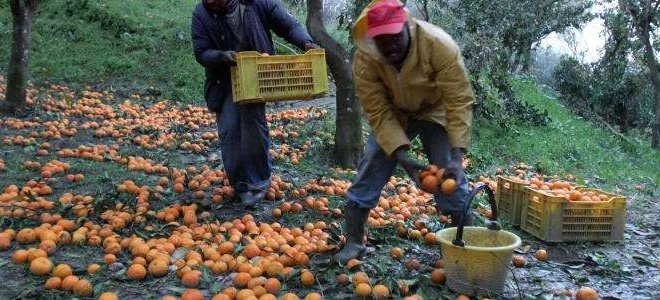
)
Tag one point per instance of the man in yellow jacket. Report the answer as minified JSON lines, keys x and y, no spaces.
{"x":411,"y":80}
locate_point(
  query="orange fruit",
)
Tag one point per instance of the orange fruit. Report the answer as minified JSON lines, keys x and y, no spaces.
{"x":255,"y":282}
{"x":26,"y":236}
{"x":541,"y":255}
{"x":438,"y":276}
{"x":242,"y":279}
{"x":230,"y":291}
{"x":267,"y":297}
{"x":53,"y":283}
{"x":351,"y":264}
{"x":313,"y":296}
{"x":430,"y":184}
{"x":41,"y":266}
{"x":109,"y":259}
{"x":342,"y":279}
{"x":83,"y":288}
{"x":178,"y":188}
{"x":360,"y":277}
{"x":413,"y":264}
{"x":575,"y":196}
{"x":462,"y":297}
{"x":158,"y":268}
{"x":259,"y":291}
{"x":192,"y":294}
{"x":191,"y":279}
{"x":69,"y":282}
{"x":93,"y":269}
{"x":5,"y":242}
{"x":429,"y":238}
{"x":108,"y":296}
{"x":272,"y":285}
{"x":519,"y":261}
{"x":274,"y":268}
{"x":62,"y":270}
{"x":380,"y":292}
{"x":276,"y":213}
{"x":396,"y":253}
{"x":363,"y":290}
{"x":226,"y":248}
{"x":415,"y":234}
{"x":136,"y":272}
{"x":20,"y":256}
{"x":448,"y":186}
{"x":221,"y":297}
{"x":251,"y":251}
{"x":290,"y":296}
{"x":586,"y":293}
{"x":307,"y":278}
{"x":48,"y":246}
{"x":245,"y":294}
{"x":255,"y":272}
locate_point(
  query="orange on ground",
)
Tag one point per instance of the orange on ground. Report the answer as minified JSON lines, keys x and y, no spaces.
{"x":83,"y":288}
{"x":53,"y":283}
{"x":438,"y":276}
{"x":41,"y":266}
{"x":363,"y":290}
{"x":136,"y":272}
{"x":192,"y":294}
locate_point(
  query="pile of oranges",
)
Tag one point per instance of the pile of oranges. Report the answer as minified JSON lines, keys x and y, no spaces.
{"x":176,"y":236}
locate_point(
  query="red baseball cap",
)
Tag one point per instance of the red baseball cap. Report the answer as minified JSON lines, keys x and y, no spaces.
{"x":386,"y":17}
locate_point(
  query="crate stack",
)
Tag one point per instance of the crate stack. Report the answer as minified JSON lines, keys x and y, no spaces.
{"x":562,"y":213}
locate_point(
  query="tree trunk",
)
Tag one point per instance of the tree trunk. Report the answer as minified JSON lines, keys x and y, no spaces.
{"x":526,"y":60}
{"x":348,"y":136}
{"x":17,"y":71}
{"x":654,"y":74}
{"x":642,"y":17}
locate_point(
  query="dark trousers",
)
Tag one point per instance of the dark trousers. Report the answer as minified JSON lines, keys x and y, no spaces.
{"x":244,"y":143}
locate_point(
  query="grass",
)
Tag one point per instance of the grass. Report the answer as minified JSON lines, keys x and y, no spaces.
{"x":124,"y":46}
{"x":567,"y":145}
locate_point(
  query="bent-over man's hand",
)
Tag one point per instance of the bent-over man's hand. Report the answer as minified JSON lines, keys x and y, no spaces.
{"x":411,"y":167}
{"x":454,"y":167}
{"x":311,"y":45}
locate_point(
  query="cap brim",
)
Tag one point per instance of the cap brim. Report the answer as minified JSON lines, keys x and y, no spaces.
{"x":392,"y":28}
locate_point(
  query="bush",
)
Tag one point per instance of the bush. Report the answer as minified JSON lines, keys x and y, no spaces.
{"x":610,"y":90}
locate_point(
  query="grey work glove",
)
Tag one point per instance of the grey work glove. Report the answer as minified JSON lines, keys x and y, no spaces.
{"x":454,"y":167}
{"x":311,"y":45}
{"x":411,"y":167}
{"x":228,"y":57}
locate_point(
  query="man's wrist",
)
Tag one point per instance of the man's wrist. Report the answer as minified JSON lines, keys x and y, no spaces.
{"x":457,"y":154}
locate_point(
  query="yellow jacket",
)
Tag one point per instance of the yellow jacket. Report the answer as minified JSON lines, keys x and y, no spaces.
{"x":433,"y":85}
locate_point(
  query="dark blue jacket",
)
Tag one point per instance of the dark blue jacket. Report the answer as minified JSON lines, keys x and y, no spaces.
{"x":211,"y":35}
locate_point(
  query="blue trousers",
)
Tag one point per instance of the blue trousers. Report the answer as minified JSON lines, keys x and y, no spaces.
{"x":244,"y":143}
{"x":376,"y":168}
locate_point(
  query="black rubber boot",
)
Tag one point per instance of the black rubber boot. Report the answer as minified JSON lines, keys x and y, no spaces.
{"x":355,"y":217}
{"x":248,"y":199}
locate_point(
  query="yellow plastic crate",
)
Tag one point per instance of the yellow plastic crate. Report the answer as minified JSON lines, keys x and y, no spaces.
{"x":509,"y":198}
{"x":555,"y":219}
{"x":263,"y":78}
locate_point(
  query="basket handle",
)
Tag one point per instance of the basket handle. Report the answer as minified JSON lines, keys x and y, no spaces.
{"x":492,"y":224}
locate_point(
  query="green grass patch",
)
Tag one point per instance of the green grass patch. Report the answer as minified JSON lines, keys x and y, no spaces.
{"x":568,"y":144}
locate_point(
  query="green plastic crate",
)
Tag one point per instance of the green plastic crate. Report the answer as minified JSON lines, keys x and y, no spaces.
{"x":264,"y":78}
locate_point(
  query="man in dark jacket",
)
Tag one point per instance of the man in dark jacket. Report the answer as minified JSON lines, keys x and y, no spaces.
{"x":220,"y":28}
